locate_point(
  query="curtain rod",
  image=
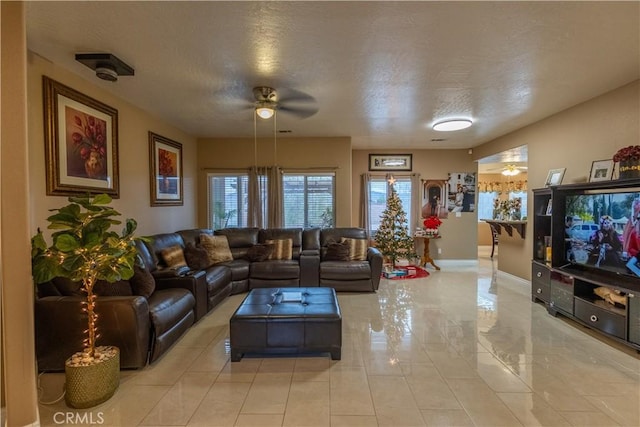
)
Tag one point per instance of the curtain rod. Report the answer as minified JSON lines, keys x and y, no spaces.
{"x":284,"y":169}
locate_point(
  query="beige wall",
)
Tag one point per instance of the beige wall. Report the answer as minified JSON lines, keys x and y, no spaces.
{"x":133,"y":127}
{"x":459,"y":234}
{"x":291,"y":153}
{"x":574,"y":138}
{"x":18,"y":355}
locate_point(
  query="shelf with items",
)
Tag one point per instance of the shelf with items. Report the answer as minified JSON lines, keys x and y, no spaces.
{"x":594,"y":274}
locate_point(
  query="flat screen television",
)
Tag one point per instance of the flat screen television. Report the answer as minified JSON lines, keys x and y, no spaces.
{"x":602,"y":231}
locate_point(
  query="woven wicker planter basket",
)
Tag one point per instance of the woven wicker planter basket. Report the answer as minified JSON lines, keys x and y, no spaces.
{"x":629,"y":169}
{"x":88,"y":386}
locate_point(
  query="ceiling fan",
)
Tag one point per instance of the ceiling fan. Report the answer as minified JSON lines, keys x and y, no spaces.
{"x":268,"y":100}
{"x":512,"y":170}
{"x":508,"y":169}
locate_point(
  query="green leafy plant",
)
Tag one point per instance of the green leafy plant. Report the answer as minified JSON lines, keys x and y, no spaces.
{"x":85,"y":250}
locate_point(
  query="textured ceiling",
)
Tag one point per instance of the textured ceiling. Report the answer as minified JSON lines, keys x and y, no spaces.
{"x":379,"y":72}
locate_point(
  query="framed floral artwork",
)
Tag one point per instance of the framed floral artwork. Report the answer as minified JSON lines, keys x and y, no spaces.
{"x":81,"y":142}
{"x":166,"y":171}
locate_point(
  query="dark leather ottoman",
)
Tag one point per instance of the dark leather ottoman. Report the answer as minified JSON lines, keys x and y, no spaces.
{"x":287,"y":320}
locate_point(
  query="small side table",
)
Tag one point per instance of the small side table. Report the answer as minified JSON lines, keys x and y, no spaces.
{"x":426,"y":254}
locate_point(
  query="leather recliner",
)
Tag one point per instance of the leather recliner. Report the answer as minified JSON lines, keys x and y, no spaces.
{"x":142,"y":328}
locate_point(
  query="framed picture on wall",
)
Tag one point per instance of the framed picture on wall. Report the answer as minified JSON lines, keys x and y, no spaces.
{"x":434,"y":198}
{"x":81,"y":143}
{"x":166,"y":171}
{"x":390,"y":162}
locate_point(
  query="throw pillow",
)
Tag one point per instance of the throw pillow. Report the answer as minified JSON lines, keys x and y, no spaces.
{"x":259,"y":252}
{"x":196,"y":256}
{"x":338,"y":252}
{"x":120,"y":288}
{"x":173,"y":256}
{"x":357,"y":248}
{"x":68,"y":287}
{"x":217,"y":248}
{"x":142,"y":282}
{"x":282,"y":249}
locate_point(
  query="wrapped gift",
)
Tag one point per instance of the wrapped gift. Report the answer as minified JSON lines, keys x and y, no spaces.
{"x":411,"y":270}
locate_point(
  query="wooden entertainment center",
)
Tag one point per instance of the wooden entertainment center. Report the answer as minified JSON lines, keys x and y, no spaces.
{"x":567,"y":275}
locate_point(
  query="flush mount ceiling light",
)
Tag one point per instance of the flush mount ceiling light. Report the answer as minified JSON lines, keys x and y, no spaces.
{"x":107,"y":66}
{"x":453,"y":124}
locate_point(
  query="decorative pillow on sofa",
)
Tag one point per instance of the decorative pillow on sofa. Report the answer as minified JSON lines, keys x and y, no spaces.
{"x":217,"y":248}
{"x":197,"y":257}
{"x":142,"y":282}
{"x":67,"y":287}
{"x":357,"y":248}
{"x":338,"y":252}
{"x":121,"y":288}
{"x":173,"y":256}
{"x":259,"y":252}
{"x":282,"y":249}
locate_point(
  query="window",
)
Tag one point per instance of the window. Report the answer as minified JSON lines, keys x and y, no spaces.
{"x":228,"y":200}
{"x":523,"y":198}
{"x":485,"y":204}
{"x":378,"y":194}
{"x":308,"y":199}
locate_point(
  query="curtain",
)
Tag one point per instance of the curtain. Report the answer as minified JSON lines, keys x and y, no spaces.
{"x":275,"y":214}
{"x":255,"y":203}
{"x":265,"y":197}
{"x":365,"y":178}
{"x":416,"y":201}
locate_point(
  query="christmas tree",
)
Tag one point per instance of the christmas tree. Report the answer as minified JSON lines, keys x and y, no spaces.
{"x":392,"y":238}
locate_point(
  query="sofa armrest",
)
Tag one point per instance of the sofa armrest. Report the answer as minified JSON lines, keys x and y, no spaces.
{"x":374,"y":256}
{"x":60,"y":324}
{"x":310,"y":268}
{"x":195,"y":282}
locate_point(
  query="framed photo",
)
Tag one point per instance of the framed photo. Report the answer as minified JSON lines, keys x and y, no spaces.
{"x":555,"y":176}
{"x":81,"y":143}
{"x":166,"y":171}
{"x":390,"y":162}
{"x":434,"y":198}
{"x":601,"y":170}
{"x":549,"y":207}
{"x":462,"y":192}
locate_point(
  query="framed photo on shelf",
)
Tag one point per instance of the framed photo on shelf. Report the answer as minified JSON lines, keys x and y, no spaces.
{"x":549,"y":206}
{"x":390,"y":162}
{"x":166,"y":171}
{"x":601,"y":170}
{"x":81,"y":143}
{"x":554,"y":177}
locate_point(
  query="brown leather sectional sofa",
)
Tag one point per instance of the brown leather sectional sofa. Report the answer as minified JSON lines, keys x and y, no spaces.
{"x":145,"y":327}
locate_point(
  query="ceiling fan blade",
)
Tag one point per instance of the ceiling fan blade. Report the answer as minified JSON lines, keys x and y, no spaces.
{"x":300,"y":112}
{"x":287,"y":95}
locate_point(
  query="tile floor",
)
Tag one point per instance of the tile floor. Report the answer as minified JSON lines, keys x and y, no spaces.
{"x":462,"y":347}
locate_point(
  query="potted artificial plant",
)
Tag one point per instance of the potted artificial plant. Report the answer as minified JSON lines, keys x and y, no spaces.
{"x":85,"y":250}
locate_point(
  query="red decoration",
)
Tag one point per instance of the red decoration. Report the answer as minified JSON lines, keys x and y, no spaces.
{"x":631,"y":152}
{"x":432,"y":222}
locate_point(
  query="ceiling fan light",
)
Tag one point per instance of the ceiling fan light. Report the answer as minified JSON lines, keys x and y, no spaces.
{"x":265,"y":112}
{"x":510,"y":172}
{"x":451,"y":125}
